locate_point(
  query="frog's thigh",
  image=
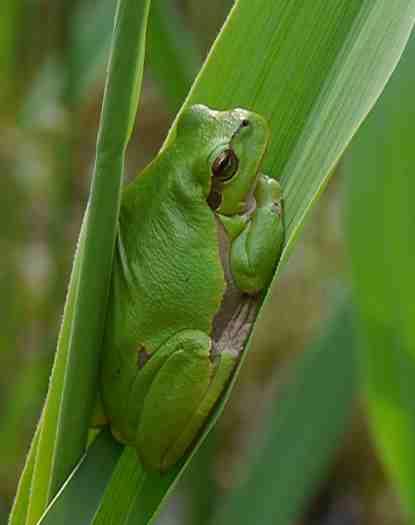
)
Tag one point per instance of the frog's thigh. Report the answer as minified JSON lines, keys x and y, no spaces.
{"x":179,"y":399}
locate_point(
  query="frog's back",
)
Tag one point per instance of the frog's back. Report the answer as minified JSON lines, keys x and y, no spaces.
{"x":167,"y":272}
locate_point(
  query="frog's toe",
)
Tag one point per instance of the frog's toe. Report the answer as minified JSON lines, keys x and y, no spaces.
{"x":268,"y":191}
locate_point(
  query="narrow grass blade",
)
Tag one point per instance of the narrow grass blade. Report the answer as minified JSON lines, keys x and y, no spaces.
{"x":10,"y":14}
{"x":306,"y":424}
{"x":173,"y":56}
{"x":67,"y":412}
{"x":78,"y":500}
{"x":381,"y":219}
{"x":201,"y":490}
{"x":91,"y":41}
{"x":20,"y":508}
{"x":40,"y":485}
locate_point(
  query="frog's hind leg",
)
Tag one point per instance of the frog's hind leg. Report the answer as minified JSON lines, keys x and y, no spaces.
{"x":223,"y":369}
{"x":180,"y":398}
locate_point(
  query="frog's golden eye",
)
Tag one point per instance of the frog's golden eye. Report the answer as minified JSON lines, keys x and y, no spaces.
{"x":225,"y":165}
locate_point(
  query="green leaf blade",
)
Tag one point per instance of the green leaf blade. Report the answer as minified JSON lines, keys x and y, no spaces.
{"x":20,"y":508}
{"x":84,"y":488}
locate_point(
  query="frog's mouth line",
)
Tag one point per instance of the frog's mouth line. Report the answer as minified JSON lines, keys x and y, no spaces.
{"x":214,"y":198}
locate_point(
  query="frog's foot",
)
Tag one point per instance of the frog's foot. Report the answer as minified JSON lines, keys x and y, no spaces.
{"x":180,"y":397}
{"x":256,"y":251}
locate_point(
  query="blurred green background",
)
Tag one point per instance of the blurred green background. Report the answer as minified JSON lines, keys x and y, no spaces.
{"x":52,"y":65}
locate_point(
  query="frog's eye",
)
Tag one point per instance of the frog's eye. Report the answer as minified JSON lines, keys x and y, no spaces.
{"x":225,"y":165}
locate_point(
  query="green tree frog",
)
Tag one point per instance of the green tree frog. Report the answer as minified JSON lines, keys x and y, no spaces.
{"x":200,"y":233}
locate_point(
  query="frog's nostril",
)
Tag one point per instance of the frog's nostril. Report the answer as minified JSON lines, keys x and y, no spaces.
{"x":245,"y":123}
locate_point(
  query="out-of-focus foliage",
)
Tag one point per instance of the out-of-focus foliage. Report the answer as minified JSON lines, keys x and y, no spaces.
{"x":305,"y":427}
{"x":51,"y":70}
{"x":381,"y":218}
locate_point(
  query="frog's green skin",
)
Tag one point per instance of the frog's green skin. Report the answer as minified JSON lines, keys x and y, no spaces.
{"x":161,"y":373}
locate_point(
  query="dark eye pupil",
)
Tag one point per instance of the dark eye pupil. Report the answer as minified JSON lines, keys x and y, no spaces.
{"x":225,"y":165}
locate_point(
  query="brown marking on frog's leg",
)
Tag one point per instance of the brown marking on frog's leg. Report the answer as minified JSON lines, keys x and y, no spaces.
{"x":142,"y":356}
{"x":236,"y":333}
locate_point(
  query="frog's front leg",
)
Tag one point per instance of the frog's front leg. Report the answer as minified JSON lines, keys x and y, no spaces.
{"x":256,"y":250}
{"x":179,"y":397}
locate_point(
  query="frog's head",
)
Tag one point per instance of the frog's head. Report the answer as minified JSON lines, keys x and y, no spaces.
{"x":229,"y":147}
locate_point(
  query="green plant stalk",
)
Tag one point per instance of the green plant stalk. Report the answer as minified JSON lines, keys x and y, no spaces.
{"x":20,"y":508}
{"x":67,"y":412}
{"x":38,"y":460}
